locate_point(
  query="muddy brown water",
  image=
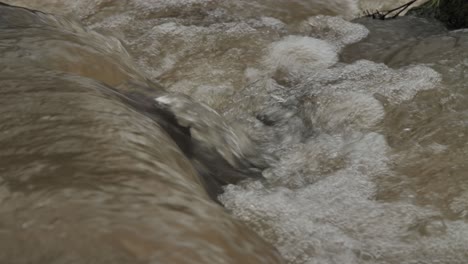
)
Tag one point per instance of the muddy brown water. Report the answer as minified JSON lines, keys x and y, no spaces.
{"x":359,"y":129}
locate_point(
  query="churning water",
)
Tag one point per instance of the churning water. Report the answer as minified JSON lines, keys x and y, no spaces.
{"x":364,"y":124}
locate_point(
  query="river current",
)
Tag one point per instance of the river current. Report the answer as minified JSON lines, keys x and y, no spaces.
{"x":363,"y":123}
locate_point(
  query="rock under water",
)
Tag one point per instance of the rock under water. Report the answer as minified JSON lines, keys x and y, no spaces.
{"x":453,"y":13}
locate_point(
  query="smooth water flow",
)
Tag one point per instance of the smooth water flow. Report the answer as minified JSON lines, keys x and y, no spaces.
{"x":363,"y":124}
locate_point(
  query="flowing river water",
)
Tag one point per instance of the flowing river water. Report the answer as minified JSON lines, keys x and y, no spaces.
{"x":363,"y":124}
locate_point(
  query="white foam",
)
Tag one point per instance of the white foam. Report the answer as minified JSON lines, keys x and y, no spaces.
{"x":273,"y":22}
{"x":459,"y":205}
{"x":318,"y":205}
{"x":335,"y":30}
{"x":337,"y":220}
{"x":298,"y":55}
{"x":396,"y":85}
{"x":347,"y":111}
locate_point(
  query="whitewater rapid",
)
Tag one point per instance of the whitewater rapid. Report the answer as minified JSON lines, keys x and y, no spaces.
{"x":365,"y":143}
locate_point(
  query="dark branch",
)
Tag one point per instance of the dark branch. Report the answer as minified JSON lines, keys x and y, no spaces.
{"x":386,"y":14}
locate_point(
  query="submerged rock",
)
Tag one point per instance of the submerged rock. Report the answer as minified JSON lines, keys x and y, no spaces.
{"x":453,"y":13}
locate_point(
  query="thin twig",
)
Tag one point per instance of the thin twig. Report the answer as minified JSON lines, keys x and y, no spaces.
{"x":384,"y":15}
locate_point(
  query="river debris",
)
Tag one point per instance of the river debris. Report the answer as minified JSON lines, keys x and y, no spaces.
{"x":390,"y":14}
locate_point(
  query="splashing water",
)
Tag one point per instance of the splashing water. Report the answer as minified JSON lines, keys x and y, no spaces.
{"x":363,"y":125}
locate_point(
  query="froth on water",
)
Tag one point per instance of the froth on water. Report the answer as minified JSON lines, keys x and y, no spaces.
{"x":360,"y":128}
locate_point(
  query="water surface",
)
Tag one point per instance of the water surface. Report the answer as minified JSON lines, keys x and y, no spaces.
{"x":363,"y":123}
